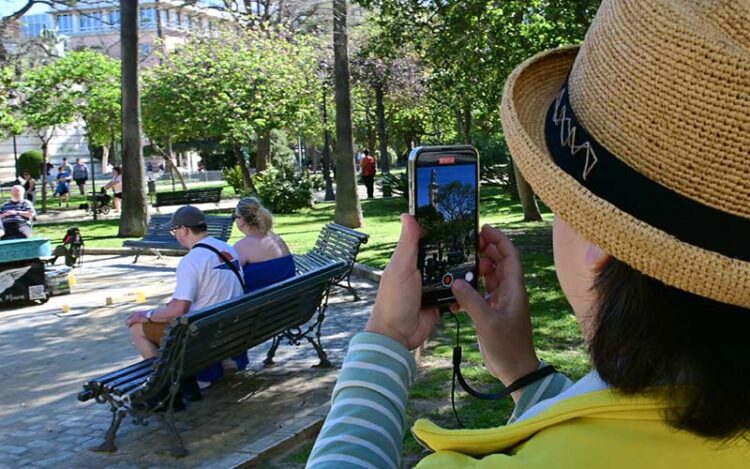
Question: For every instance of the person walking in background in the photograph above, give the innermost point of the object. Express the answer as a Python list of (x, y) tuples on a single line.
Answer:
[(116, 185), (368, 173), (80, 175), (63, 186), (150, 171), (66, 167), (50, 168), (29, 186)]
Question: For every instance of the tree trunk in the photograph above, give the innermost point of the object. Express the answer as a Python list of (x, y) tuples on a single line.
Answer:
[(385, 164), (105, 159), (134, 217), (237, 150), (372, 138), (348, 209), (512, 180), (169, 158), (264, 151), (528, 201), (467, 124)]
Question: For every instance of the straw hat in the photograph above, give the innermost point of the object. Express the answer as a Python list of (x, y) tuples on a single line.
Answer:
[(640, 139)]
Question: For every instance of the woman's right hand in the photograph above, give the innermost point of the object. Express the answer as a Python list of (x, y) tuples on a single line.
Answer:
[(501, 317)]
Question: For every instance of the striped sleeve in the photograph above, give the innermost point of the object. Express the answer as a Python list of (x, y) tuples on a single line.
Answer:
[(365, 426), (550, 386)]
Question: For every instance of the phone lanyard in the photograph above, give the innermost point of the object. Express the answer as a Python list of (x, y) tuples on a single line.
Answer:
[(513, 387)]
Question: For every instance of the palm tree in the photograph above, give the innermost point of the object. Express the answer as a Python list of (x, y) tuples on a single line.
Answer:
[(134, 217)]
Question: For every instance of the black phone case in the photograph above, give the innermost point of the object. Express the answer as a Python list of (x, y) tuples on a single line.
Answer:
[(438, 271)]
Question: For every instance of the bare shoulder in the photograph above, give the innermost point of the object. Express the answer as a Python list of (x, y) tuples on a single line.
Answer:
[(280, 243)]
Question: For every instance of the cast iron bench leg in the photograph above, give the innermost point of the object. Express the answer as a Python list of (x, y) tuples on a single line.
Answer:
[(268, 362), (349, 287), (135, 261), (322, 355), (178, 447), (108, 446)]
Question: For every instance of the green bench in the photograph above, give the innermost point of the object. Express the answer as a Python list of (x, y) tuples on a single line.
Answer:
[(190, 196), (158, 237), (335, 243), (204, 337)]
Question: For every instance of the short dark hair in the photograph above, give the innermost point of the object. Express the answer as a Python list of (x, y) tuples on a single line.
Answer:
[(198, 229), (650, 335)]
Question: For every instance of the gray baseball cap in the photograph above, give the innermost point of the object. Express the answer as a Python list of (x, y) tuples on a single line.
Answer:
[(187, 216)]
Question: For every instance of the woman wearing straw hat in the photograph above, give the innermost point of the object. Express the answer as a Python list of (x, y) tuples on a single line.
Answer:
[(639, 140)]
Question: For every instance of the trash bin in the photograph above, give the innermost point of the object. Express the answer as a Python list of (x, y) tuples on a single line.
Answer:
[(151, 187)]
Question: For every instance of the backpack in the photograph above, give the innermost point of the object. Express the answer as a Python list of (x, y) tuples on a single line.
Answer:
[(73, 243)]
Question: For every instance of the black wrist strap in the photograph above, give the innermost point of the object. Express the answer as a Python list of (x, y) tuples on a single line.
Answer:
[(515, 386)]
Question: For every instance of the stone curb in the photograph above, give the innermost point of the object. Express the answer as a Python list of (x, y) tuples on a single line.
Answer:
[(366, 272)]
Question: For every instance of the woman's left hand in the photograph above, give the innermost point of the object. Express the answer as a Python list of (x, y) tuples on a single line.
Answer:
[(397, 311)]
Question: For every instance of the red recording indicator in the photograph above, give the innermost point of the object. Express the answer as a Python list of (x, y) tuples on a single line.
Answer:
[(446, 160)]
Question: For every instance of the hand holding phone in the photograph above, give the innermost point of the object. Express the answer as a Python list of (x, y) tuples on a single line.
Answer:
[(444, 198), (397, 312)]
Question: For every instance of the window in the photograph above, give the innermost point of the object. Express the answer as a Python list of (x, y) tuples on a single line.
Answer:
[(33, 25), (164, 17), (148, 17), (92, 21), (177, 19), (65, 23), (114, 19), (188, 22)]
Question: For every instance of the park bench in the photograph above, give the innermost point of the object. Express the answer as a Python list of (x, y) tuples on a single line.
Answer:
[(190, 196), (335, 242), (201, 338), (158, 238)]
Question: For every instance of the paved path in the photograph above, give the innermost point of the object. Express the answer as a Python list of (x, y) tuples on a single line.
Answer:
[(45, 356)]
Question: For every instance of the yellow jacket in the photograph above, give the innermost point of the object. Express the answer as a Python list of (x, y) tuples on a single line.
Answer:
[(597, 429)]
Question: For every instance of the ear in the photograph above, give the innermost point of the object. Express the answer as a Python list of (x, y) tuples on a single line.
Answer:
[(596, 258)]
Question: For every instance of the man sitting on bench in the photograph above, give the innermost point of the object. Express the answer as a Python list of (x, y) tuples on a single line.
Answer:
[(16, 215), (209, 273)]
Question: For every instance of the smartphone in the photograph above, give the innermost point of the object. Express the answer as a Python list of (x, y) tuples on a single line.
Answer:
[(444, 198)]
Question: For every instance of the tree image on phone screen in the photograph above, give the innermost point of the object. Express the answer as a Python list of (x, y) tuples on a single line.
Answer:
[(446, 210)]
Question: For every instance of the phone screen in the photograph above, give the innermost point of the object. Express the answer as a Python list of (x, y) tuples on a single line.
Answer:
[(445, 203)]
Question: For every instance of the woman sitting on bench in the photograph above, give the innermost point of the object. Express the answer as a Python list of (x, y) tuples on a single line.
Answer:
[(265, 260)]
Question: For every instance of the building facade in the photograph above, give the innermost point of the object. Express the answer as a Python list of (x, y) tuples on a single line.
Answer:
[(96, 26)]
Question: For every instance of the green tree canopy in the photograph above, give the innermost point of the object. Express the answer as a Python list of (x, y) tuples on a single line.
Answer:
[(231, 87)]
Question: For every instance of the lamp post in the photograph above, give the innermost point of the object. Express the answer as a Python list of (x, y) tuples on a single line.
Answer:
[(81, 101), (326, 139)]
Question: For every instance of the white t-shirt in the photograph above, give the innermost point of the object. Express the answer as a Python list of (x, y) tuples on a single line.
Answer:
[(204, 279)]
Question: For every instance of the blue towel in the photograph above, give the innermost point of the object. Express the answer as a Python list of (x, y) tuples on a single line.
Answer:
[(257, 275)]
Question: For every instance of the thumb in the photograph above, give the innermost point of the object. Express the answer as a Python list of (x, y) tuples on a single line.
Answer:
[(470, 300), (405, 256)]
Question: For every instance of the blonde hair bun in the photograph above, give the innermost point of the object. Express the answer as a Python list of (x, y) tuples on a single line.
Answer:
[(254, 214)]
